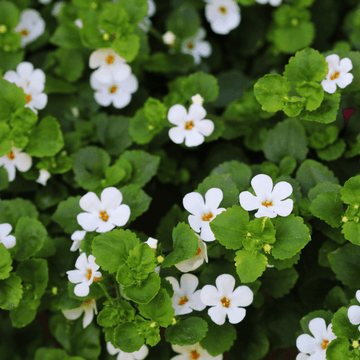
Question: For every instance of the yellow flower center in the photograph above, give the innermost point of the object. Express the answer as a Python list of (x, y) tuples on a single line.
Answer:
[(11, 155), (325, 344), (194, 354), (335, 75), (225, 302), (24, 32), (189, 125), (198, 252), (110, 59), (207, 217), (104, 216), (222, 9), (267, 203), (89, 274), (183, 300), (28, 98), (190, 46), (113, 89)]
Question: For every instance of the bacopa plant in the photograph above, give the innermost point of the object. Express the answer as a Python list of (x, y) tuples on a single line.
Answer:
[(180, 179)]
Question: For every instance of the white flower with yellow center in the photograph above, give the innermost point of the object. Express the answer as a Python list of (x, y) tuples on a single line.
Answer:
[(44, 176), (316, 346), (77, 237), (32, 82), (270, 201), (7, 240), (338, 73), (224, 300), (191, 127), (88, 307), (223, 15), (354, 311), (197, 260), (15, 160), (271, 2), (122, 355), (193, 352), (85, 274), (196, 47), (185, 298), (31, 26), (203, 212), (104, 214), (169, 38), (113, 92)]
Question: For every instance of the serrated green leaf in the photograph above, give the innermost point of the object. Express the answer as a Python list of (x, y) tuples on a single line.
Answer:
[(351, 231), (112, 315), (249, 265), (342, 326), (323, 187), (278, 283), (338, 349), (11, 99), (293, 106), (313, 93), (333, 151), (260, 232), (12, 210), (350, 193), (67, 36), (141, 260), (127, 46), (5, 263), (10, 292), (283, 264), (66, 213), (200, 83), (127, 337)]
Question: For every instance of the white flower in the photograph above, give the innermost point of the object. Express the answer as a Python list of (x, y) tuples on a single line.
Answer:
[(116, 92), (44, 176), (271, 2), (15, 159), (354, 312), (45, 1), (85, 275), (152, 243), (88, 307), (269, 201), (7, 240), (57, 8), (169, 38), (196, 47), (31, 26), (197, 99), (77, 237), (79, 23), (103, 215), (32, 82), (190, 126), (203, 212), (302, 356), (338, 73), (136, 355), (146, 22), (223, 15), (197, 260), (185, 298), (224, 300), (111, 65), (316, 346), (193, 352)]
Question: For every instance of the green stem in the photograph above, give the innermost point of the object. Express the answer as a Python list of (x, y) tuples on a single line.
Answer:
[(223, 118), (105, 292), (117, 290)]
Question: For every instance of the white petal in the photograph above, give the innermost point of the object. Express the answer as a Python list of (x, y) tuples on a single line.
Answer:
[(88, 222), (23, 162), (196, 112), (177, 115), (302, 356), (218, 314), (225, 284), (282, 190), (210, 295), (235, 314), (205, 127), (90, 202), (142, 353), (189, 283), (130, 84), (39, 101), (248, 201), (8, 241), (120, 216), (193, 138), (174, 283), (194, 203), (329, 86), (307, 344), (317, 327), (345, 80), (10, 168), (195, 222), (88, 317), (111, 198), (75, 276), (345, 65), (204, 48), (357, 295), (333, 60), (213, 198), (82, 289), (264, 211), (354, 314), (195, 301), (75, 245), (5, 230), (104, 226), (242, 296), (177, 134), (25, 69), (206, 233), (121, 100), (82, 262), (73, 314), (283, 208), (110, 348), (78, 235), (262, 185), (12, 77)]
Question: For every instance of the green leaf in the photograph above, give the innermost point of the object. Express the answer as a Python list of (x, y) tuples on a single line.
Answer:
[(67, 36), (112, 314), (200, 83), (344, 262), (26, 311), (313, 92), (5, 143), (311, 172), (11, 99), (66, 213), (127, 337), (342, 326), (24, 119), (270, 92), (127, 46), (52, 354), (186, 332), (141, 130), (5, 263), (351, 231), (278, 283), (46, 139), (219, 339), (10, 292), (184, 21), (350, 193), (307, 65), (142, 260), (57, 86), (166, 63), (8, 60), (136, 9), (328, 207), (338, 349), (159, 309), (70, 64), (229, 227), (112, 249), (30, 236), (185, 244), (304, 322), (149, 330), (293, 106), (249, 265), (144, 293), (287, 165), (333, 151), (288, 138), (259, 232), (323, 187), (291, 236), (89, 166), (9, 14)]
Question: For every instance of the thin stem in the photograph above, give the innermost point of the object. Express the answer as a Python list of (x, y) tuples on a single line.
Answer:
[(117, 290), (105, 292), (223, 118)]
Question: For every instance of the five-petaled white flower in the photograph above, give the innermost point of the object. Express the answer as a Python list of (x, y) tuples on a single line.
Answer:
[(7, 240), (191, 127), (88, 307), (103, 215), (203, 212), (185, 298), (316, 346), (31, 26), (196, 47), (193, 352), (136, 355), (223, 15), (338, 73), (197, 260), (224, 300), (354, 312), (271, 2), (169, 38), (197, 99), (77, 236), (85, 275), (15, 159), (32, 82), (269, 201), (152, 243), (44, 176)]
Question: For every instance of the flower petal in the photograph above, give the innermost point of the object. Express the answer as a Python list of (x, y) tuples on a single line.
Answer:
[(248, 201), (23, 162), (111, 349), (195, 222), (218, 314), (195, 301), (242, 296), (104, 226), (354, 314), (333, 60), (121, 215), (87, 221), (213, 198), (111, 198), (174, 283), (206, 233), (193, 138), (10, 168), (205, 127), (345, 80), (177, 134), (194, 203), (88, 317), (82, 289), (345, 65), (235, 314), (78, 235), (225, 283), (317, 327), (25, 69), (121, 99), (75, 276), (357, 295), (189, 283), (177, 115), (262, 185), (210, 295), (73, 314), (90, 202), (284, 207), (82, 262), (282, 190), (142, 353), (329, 86), (196, 112), (9, 241), (5, 230), (307, 344)]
